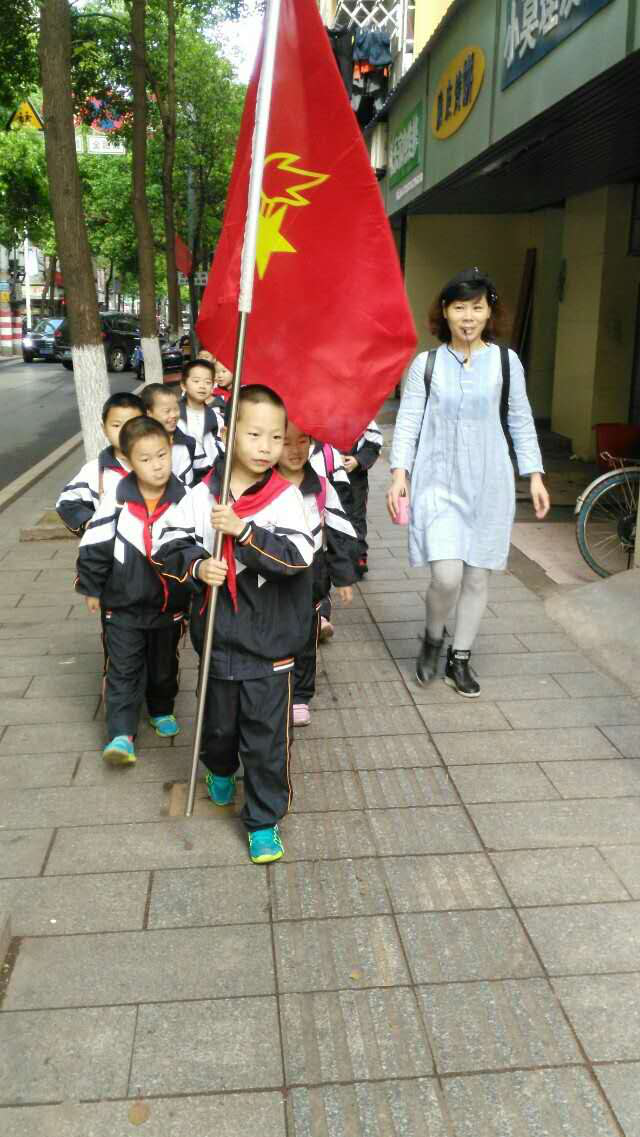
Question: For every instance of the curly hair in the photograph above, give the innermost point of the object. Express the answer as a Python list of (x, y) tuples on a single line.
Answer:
[(438, 326)]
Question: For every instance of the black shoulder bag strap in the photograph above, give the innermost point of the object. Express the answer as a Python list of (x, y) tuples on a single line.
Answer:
[(428, 374)]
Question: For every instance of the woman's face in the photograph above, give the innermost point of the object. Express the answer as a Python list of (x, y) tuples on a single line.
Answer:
[(467, 319)]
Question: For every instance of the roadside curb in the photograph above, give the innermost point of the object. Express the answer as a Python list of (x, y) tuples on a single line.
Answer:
[(20, 485)]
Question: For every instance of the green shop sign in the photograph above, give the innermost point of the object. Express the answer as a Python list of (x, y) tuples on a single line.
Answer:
[(536, 27), (405, 146)]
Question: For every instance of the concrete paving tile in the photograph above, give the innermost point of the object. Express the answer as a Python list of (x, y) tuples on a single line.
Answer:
[(532, 663), (465, 715), (347, 617), (369, 588), (69, 805), (547, 876), (53, 665), (604, 1011), (591, 683), (325, 955), (179, 843), (626, 739), (431, 829), (625, 862), (384, 789), (571, 712), (14, 618), (380, 1109), (155, 764), (556, 1103), (493, 688), (402, 751), (65, 1055), (517, 624), (20, 647), (557, 823), (142, 967), (505, 607), (22, 851), (52, 737), (62, 686), (443, 883), (357, 694), (67, 711), (322, 792), (592, 938), (61, 597), (396, 608), (320, 755), (546, 641), (617, 778), (189, 898), (450, 947), (342, 651), (621, 1084), (13, 686), (402, 629), (361, 722), (206, 1047), (356, 634), (37, 770), (494, 1026), (59, 906), (406, 647), (349, 1036), (327, 837), (227, 1115), (374, 671), (517, 782), (493, 746), (317, 890)]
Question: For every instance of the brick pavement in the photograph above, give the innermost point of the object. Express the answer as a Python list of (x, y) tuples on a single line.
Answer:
[(451, 947)]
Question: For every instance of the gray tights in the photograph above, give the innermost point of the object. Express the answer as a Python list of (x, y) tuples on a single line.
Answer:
[(457, 588)]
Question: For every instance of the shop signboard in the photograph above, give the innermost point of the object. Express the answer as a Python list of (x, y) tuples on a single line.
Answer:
[(536, 27), (405, 146), (456, 93)]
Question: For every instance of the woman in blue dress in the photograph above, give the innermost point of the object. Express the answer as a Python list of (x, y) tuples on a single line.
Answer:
[(452, 448)]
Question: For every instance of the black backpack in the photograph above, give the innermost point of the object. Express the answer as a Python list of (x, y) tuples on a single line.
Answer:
[(504, 397)]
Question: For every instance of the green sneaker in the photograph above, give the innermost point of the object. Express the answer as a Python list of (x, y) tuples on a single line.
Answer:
[(120, 752), (222, 791), (265, 845), (165, 725)]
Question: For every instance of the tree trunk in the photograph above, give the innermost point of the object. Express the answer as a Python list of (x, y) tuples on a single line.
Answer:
[(107, 287), (53, 268), (146, 254), (90, 369), (167, 108)]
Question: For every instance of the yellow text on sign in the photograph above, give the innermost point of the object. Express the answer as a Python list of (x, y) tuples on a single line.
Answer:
[(457, 91)]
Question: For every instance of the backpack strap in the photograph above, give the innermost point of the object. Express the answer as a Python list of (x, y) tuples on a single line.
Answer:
[(428, 374), (327, 451), (506, 384), (321, 497)]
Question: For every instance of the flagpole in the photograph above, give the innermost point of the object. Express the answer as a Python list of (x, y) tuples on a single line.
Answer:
[(245, 298)]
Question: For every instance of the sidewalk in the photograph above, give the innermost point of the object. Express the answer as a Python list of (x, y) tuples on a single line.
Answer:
[(451, 947)]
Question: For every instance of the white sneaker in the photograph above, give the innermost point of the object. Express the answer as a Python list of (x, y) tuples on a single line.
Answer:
[(326, 629), (301, 714)]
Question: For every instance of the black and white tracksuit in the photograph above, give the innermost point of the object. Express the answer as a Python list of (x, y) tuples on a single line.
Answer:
[(335, 557), (209, 447), (143, 613), (183, 455), (249, 694), (81, 496), (366, 451)]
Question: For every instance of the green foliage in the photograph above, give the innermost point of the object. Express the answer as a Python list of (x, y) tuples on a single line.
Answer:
[(24, 191), (18, 53)]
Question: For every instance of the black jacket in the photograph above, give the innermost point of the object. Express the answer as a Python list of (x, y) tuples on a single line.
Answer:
[(81, 496), (183, 455), (273, 558), (335, 542), (367, 448), (114, 564)]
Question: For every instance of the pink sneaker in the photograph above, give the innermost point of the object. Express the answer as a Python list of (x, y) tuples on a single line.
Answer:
[(326, 630), (301, 714)]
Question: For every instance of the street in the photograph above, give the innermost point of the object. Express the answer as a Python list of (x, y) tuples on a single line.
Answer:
[(40, 412)]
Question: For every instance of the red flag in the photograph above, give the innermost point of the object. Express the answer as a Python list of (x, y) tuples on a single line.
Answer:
[(184, 260), (330, 328)]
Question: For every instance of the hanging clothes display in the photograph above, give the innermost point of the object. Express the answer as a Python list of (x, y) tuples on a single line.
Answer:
[(371, 61), (342, 42)]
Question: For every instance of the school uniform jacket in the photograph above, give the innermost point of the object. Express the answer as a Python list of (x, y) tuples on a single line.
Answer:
[(81, 496), (335, 543), (273, 556), (115, 559), (183, 453), (327, 462), (368, 446), (208, 453)]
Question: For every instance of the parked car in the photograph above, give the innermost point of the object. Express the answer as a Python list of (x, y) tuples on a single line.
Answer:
[(39, 341), (172, 359), (120, 335)]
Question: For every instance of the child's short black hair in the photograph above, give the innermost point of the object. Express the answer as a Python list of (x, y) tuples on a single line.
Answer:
[(136, 429), (256, 393), (122, 399), (188, 368), (152, 391)]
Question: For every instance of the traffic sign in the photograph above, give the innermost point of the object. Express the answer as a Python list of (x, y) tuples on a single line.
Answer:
[(25, 115), (199, 278)]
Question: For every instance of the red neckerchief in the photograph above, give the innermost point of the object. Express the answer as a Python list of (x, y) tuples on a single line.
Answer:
[(246, 506), (141, 512), (222, 393)]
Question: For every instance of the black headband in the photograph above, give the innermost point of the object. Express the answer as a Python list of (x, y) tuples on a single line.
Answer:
[(472, 277)]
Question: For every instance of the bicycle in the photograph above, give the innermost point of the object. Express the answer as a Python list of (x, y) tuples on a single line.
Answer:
[(606, 517)]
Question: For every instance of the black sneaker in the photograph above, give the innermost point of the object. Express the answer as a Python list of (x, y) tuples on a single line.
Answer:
[(458, 674), (427, 661)]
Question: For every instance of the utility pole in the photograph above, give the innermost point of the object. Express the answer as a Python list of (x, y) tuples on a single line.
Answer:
[(27, 280)]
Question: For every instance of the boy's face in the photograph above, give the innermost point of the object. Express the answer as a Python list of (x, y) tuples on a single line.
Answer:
[(198, 386), (295, 451), (224, 377), (166, 410), (260, 432), (115, 421), (150, 460)]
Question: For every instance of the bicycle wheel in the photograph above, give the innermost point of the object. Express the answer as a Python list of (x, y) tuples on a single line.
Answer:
[(606, 523)]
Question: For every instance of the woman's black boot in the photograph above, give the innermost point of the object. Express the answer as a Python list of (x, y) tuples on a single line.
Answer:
[(427, 661), (458, 674)]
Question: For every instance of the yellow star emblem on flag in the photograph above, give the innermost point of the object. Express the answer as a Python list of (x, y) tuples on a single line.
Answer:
[(275, 203)]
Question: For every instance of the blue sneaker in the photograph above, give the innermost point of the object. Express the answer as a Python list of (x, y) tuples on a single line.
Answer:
[(119, 751), (265, 845), (222, 791), (165, 725)]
